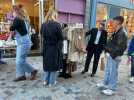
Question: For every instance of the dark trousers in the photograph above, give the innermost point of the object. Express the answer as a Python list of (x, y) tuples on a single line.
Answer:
[(64, 70), (96, 51), (132, 66), (64, 62)]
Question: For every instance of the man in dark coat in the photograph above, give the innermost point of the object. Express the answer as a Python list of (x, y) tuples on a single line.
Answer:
[(98, 39), (115, 49)]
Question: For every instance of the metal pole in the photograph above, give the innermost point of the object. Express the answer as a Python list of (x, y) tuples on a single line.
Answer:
[(41, 20), (93, 13)]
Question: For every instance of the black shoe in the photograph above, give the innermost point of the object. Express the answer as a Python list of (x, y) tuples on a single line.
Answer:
[(61, 74), (22, 78), (67, 76), (33, 75), (83, 72), (92, 75)]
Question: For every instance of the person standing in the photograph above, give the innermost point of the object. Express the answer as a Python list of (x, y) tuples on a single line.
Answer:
[(131, 54), (20, 26), (115, 49), (52, 48), (65, 51), (96, 44)]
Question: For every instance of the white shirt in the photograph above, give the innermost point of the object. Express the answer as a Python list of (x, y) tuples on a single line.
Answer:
[(65, 47), (97, 37)]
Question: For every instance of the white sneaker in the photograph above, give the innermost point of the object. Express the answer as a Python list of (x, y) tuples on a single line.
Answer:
[(51, 85), (44, 83), (101, 86), (131, 80), (108, 92)]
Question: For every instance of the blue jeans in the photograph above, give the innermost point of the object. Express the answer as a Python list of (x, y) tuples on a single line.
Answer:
[(50, 77), (111, 73), (21, 64), (132, 66), (23, 48)]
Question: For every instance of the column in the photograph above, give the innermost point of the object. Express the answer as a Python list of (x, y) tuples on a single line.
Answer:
[(41, 20), (93, 14)]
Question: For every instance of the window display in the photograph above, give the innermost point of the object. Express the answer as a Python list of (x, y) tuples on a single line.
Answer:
[(101, 14), (129, 20)]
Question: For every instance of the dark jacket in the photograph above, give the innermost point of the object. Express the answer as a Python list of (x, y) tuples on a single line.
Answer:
[(19, 25), (131, 47), (93, 34), (52, 46), (117, 44)]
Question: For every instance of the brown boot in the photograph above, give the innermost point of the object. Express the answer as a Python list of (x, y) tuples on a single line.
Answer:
[(33, 75)]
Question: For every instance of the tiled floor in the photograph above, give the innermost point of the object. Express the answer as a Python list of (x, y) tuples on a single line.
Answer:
[(80, 87)]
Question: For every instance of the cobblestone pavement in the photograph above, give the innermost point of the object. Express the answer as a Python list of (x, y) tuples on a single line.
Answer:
[(78, 88)]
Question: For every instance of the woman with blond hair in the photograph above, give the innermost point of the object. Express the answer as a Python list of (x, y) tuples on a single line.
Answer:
[(21, 27), (52, 46)]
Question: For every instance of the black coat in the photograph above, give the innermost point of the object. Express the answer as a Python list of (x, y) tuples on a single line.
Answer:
[(52, 46), (93, 34), (117, 44)]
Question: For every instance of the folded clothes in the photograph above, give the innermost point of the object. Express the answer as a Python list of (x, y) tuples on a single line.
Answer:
[(7, 43)]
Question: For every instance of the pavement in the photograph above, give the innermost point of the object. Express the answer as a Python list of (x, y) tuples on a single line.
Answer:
[(80, 87)]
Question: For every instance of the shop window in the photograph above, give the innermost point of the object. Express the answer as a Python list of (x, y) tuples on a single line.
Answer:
[(101, 14), (129, 20)]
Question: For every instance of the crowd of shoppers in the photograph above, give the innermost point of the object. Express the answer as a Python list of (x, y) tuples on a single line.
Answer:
[(55, 58)]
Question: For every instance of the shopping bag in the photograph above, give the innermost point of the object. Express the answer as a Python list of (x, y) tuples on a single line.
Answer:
[(71, 67), (102, 64)]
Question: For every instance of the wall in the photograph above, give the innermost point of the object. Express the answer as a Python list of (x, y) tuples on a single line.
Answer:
[(71, 10), (121, 3)]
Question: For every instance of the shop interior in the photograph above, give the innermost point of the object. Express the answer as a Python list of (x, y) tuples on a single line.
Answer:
[(103, 14), (33, 9)]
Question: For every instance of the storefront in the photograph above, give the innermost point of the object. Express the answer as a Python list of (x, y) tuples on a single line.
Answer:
[(70, 14), (37, 9), (32, 8), (107, 9)]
